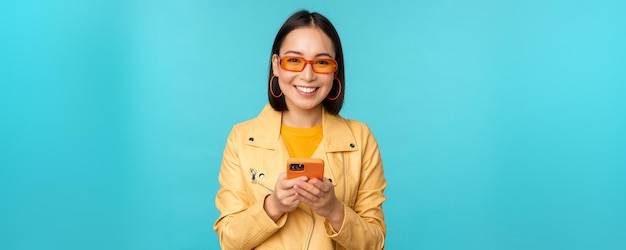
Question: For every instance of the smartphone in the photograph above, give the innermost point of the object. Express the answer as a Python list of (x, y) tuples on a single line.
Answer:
[(309, 167)]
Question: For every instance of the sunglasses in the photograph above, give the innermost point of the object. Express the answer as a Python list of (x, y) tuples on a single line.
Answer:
[(297, 64)]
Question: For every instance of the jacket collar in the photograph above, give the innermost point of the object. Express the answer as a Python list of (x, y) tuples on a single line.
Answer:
[(337, 134)]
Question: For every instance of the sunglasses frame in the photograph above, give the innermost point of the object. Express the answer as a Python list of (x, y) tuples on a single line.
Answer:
[(307, 62)]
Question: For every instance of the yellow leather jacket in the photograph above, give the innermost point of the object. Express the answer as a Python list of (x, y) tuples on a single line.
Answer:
[(254, 157)]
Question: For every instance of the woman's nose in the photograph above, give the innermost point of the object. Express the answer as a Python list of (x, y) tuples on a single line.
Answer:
[(308, 74)]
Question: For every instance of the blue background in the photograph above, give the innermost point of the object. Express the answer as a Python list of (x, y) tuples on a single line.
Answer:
[(501, 123)]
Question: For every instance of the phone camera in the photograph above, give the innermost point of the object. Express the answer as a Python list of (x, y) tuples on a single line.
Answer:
[(296, 167)]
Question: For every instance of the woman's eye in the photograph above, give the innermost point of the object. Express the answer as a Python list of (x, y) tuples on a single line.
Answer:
[(322, 62), (293, 60)]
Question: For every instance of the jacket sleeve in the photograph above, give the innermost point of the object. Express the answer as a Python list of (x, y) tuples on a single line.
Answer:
[(364, 226), (242, 224)]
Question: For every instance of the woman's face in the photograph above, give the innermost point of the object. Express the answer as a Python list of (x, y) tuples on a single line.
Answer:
[(304, 90)]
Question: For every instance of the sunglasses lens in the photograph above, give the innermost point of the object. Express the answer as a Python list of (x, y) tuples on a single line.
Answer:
[(292, 63), (324, 65), (297, 64)]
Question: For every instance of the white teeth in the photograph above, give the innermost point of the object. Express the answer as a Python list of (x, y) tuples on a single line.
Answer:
[(306, 90)]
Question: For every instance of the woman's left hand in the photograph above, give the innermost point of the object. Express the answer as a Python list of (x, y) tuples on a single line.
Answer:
[(320, 196)]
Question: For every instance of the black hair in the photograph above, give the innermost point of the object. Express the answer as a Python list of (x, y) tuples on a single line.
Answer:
[(300, 19)]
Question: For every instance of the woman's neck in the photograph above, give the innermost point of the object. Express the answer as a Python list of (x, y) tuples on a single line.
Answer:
[(302, 118)]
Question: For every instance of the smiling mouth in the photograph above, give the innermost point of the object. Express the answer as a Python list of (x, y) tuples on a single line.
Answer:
[(307, 90)]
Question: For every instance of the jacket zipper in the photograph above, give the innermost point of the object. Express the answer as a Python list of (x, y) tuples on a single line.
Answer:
[(254, 180)]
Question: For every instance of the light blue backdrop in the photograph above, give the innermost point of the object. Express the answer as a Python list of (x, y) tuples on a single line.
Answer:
[(501, 123)]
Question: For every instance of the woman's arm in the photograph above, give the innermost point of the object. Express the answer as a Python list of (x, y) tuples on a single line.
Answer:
[(364, 226), (242, 224)]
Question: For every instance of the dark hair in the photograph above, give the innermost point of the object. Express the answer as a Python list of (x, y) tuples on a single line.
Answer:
[(300, 19)]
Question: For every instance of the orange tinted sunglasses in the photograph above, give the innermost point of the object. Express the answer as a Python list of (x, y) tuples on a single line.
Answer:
[(297, 64)]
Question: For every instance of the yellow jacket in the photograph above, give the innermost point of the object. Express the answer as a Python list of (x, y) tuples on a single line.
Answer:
[(255, 155)]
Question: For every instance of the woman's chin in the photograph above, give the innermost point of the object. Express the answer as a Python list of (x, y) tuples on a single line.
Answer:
[(305, 105)]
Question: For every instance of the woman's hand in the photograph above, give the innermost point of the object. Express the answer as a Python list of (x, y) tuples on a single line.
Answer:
[(320, 196), (284, 198)]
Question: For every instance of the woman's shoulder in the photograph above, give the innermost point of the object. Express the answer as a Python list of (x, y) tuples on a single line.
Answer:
[(359, 127), (356, 126), (267, 118)]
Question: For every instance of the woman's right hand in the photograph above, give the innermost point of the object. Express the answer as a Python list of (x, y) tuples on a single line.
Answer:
[(284, 198)]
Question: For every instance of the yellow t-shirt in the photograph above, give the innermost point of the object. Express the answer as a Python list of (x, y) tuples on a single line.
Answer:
[(301, 142)]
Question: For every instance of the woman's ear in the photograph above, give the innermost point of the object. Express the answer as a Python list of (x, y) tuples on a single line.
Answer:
[(275, 64)]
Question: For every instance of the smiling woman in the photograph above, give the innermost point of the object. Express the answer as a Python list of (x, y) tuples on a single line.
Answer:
[(259, 206), (304, 88), (305, 36)]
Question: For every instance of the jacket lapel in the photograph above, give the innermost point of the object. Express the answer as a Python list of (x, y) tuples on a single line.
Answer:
[(266, 132), (337, 134)]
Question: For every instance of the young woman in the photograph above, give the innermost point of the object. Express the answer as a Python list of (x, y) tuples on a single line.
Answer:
[(259, 206)]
